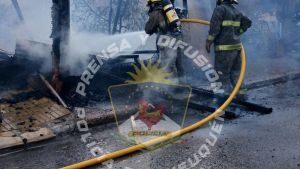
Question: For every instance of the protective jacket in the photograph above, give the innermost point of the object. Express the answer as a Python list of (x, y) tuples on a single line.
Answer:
[(226, 26)]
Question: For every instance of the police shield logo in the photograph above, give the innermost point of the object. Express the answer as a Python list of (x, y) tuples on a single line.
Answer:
[(149, 106)]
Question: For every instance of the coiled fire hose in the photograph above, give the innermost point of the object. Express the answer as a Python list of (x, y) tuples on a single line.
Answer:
[(126, 151)]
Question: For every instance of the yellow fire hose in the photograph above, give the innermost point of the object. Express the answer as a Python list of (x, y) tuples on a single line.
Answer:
[(126, 151)]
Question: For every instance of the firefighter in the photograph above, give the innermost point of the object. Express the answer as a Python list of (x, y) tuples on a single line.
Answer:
[(227, 25), (163, 20)]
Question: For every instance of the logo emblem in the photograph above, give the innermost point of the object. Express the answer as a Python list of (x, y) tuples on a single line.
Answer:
[(149, 105), (149, 114)]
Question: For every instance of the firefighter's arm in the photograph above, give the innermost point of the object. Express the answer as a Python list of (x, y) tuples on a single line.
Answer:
[(216, 23), (152, 24), (215, 26), (246, 23)]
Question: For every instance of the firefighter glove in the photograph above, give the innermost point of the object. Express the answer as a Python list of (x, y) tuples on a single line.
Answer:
[(208, 45)]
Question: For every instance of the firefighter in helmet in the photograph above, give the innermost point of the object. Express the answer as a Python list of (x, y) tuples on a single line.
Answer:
[(226, 26), (163, 20)]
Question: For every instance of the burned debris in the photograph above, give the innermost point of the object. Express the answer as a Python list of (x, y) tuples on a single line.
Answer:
[(42, 96), (60, 35), (1, 116)]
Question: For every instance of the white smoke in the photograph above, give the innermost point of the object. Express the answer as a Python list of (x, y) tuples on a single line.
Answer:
[(84, 43), (5, 2), (37, 27)]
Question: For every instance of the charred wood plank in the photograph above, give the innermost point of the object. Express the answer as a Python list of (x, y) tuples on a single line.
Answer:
[(145, 52), (248, 105), (53, 91), (201, 107), (197, 106), (273, 81)]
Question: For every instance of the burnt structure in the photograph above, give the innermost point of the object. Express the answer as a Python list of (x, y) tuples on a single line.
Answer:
[(60, 35)]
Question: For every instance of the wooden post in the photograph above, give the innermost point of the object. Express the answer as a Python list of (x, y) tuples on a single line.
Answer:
[(185, 4), (60, 35), (117, 17)]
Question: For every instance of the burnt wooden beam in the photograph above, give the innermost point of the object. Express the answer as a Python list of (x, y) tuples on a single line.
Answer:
[(60, 30), (185, 8), (60, 36), (1, 116), (272, 81), (250, 106)]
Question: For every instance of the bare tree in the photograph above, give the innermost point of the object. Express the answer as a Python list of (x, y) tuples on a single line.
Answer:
[(117, 17), (109, 16)]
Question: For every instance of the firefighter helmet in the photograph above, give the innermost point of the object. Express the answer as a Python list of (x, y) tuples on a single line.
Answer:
[(219, 2), (149, 2), (235, 1)]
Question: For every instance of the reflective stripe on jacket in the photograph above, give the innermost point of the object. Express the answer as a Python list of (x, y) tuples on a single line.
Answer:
[(227, 24)]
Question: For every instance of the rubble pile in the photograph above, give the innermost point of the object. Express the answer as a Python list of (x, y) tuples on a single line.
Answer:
[(26, 118)]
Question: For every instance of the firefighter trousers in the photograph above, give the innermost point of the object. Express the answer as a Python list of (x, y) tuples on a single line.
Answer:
[(228, 65)]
